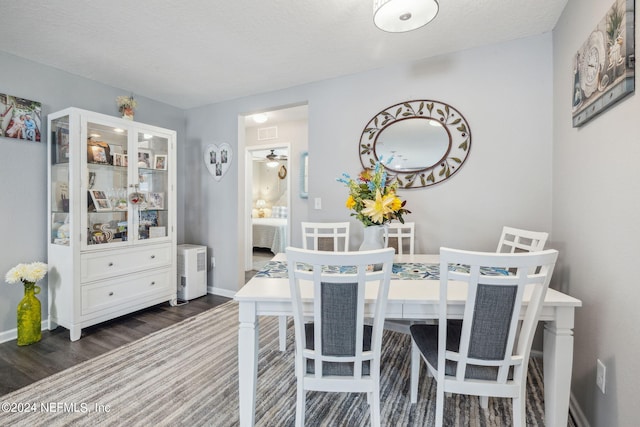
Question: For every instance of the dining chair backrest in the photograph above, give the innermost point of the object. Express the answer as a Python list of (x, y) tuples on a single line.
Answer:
[(339, 351), (486, 354), (325, 236), (514, 240), (402, 237)]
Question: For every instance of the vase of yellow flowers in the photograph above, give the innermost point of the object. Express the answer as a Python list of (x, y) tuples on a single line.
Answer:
[(126, 105), (29, 308), (375, 203)]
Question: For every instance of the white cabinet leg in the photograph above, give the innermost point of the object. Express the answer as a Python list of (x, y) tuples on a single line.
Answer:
[(74, 333)]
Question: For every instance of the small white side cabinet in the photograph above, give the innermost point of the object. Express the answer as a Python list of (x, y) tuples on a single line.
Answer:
[(112, 218)]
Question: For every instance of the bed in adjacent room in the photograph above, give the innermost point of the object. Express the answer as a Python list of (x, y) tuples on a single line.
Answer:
[(270, 233)]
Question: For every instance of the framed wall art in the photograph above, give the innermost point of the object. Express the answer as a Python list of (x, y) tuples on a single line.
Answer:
[(218, 159), (604, 66), (20, 118)]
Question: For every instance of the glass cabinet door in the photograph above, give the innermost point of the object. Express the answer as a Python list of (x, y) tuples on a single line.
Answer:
[(153, 184), (59, 181), (107, 184)]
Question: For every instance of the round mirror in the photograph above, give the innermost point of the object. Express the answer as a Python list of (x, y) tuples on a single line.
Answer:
[(420, 142)]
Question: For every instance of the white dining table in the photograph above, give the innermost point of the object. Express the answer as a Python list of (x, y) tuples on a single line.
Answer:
[(408, 300)]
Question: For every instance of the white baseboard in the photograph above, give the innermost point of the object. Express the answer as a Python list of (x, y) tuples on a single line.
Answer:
[(12, 334), (219, 291), (574, 408)]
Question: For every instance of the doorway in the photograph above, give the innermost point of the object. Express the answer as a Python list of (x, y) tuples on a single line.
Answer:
[(279, 142), (268, 185)]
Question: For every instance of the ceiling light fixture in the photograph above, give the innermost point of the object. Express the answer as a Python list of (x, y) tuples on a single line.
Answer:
[(399, 16), (260, 117)]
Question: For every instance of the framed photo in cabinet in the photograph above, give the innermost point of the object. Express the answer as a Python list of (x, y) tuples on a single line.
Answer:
[(100, 200), (160, 162), (144, 159), (118, 159), (62, 145), (98, 152), (155, 200)]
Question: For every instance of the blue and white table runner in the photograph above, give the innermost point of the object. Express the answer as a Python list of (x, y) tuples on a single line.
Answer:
[(400, 271)]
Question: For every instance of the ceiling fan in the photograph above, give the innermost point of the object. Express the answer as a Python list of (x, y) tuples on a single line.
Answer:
[(275, 157)]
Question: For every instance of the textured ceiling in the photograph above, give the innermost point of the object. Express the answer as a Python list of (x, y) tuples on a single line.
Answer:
[(192, 53)]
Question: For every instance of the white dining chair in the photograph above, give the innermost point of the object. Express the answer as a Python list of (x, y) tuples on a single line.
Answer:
[(326, 236), (331, 236), (518, 240), (487, 353), (338, 351), (403, 235)]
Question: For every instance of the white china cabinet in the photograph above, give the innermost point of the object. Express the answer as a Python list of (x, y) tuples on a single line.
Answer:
[(112, 218)]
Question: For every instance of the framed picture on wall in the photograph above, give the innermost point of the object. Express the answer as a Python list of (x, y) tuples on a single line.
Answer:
[(21, 118), (604, 66)]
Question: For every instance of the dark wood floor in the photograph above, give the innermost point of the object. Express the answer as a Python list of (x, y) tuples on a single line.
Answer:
[(21, 366)]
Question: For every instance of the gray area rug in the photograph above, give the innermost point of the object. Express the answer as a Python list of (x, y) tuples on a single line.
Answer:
[(186, 375)]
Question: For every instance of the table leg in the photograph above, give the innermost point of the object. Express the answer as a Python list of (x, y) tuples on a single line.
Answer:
[(558, 361), (282, 332), (248, 335)]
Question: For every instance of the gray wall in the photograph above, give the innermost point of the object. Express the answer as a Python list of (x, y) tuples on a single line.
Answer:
[(515, 97), (595, 225), (23, 165), (505, 93)]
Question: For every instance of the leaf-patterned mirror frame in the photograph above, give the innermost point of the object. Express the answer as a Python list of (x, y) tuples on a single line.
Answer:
[(455, 124)]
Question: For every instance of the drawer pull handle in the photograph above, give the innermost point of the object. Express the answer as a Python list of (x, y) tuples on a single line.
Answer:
[(110, 264), (153, 256), (110, 294)]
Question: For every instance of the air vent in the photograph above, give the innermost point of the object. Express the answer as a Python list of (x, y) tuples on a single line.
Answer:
[(267, 133)]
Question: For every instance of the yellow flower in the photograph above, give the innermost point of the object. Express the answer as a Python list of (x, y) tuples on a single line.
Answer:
[(351, 203), (396, 204), (376, 209)]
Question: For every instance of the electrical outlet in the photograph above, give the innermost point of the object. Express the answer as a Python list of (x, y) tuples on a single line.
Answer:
[(213, 262), (601, 375)]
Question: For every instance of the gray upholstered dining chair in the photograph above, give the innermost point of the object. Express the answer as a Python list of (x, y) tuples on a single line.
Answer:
[(518, 240), (487, 354), (337, 351), (325, 236), (403, 236), (319, 236)]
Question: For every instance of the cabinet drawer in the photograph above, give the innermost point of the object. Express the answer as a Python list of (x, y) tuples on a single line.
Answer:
[(103, 265), (117, 292)]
